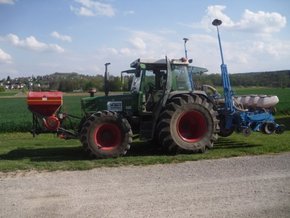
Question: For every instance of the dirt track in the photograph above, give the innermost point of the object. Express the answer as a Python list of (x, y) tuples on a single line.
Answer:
[(237, 187)]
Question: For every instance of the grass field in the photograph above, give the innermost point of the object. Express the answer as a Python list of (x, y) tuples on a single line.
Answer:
[(15, 117), (19, 151), (8, 93)]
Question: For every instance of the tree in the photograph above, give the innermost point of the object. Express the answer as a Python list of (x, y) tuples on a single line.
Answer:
[(115, 83)]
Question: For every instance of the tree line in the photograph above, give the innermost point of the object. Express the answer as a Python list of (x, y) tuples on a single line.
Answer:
[(77, 82), (278, 79), (69, 82)]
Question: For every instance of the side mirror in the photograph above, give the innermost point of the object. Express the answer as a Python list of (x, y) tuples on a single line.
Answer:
[(137, 73), (138, 70)]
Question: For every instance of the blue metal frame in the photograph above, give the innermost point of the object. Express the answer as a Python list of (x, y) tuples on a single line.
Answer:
[(235, 118)]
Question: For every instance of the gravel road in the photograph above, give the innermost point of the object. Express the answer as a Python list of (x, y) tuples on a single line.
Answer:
[(257, 186)]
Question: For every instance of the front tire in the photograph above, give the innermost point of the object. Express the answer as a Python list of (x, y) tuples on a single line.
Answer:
[(106, 134)]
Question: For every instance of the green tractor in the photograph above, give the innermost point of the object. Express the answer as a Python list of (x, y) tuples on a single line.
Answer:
[(162, 105)]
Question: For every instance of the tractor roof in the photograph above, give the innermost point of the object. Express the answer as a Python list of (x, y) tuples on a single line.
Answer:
[(156, 62), (150, 61), (161, 64)]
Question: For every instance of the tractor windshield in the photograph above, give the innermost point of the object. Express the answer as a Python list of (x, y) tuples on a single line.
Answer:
[(180, 77)]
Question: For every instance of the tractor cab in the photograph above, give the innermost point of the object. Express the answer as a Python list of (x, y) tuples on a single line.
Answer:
[(154, 78)]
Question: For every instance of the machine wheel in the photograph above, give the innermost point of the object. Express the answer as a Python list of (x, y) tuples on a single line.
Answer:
[(188, 123), (106, 134), (280, 129), (268, 128)]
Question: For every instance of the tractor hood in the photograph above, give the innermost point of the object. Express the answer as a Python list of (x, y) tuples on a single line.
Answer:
[(119, 103)]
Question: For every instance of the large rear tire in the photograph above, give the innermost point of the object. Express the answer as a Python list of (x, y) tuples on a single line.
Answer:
[(106, 134), (188, 122)]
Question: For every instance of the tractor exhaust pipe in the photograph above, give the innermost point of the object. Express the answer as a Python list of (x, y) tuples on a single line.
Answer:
[(106, 80)]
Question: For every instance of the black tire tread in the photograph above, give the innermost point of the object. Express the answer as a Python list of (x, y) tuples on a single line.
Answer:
[(163, 125), (126, 128)]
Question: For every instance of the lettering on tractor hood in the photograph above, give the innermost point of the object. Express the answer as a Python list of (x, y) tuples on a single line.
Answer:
[(114, 105)]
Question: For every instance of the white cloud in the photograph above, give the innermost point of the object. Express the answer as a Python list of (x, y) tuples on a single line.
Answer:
[(32, 43), (260, 22), (10, 2), (141, 44), (246, 55), (217, 11), (138, 43), (92, 8), (57, 35), (273, 48), (82, 11), (258, 51), (141, 41), (125, 51), (4, 57), (109, 51)]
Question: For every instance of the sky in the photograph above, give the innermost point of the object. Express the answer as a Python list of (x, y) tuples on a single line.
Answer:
[(47, 36)]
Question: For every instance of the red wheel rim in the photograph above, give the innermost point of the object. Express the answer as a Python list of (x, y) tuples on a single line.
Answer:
[(191, 126), (51, 123), (107, 136)]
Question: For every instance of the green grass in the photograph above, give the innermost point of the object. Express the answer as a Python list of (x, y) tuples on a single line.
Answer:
[(15, 117), (19, 151), (8, 93)]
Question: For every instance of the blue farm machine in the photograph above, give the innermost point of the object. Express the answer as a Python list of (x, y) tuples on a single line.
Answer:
[(162, 105), (244, 113)]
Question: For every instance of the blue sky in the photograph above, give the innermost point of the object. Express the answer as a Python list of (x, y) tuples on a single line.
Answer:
[(47, 36)]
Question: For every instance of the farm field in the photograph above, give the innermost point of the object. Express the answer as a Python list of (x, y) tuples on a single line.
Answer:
[(8, 93), (15, 116)]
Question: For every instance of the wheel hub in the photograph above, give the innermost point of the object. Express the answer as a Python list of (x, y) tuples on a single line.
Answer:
[(108, 136), (192, 126)]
